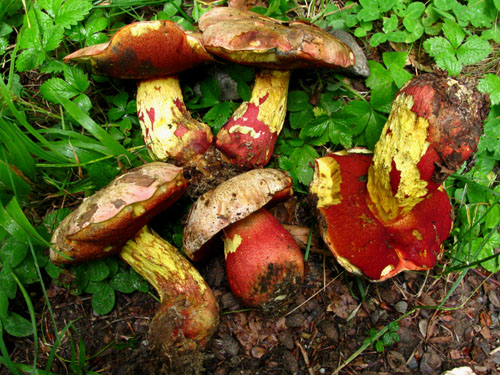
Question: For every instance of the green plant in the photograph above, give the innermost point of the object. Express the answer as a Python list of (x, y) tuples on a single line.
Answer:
[(388, 337)]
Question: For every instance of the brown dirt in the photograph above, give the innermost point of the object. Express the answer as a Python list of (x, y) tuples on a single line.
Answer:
[(319, 330)]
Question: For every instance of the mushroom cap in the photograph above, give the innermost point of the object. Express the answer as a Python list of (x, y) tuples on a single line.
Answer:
[(246, 37), (144, 49), (106, 220), (232, 200), (360, 241)]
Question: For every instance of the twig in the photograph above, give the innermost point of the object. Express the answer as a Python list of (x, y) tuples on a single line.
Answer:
[(306, 358)]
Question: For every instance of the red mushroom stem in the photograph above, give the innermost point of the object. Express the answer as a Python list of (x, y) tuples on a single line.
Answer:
[(264, 264), (248, 138)]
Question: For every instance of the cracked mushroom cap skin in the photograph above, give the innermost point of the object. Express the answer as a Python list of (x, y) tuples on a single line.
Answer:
[(232, 200), (144, 50), (106, 220), (264, 264), (245, 37), (361, 242)]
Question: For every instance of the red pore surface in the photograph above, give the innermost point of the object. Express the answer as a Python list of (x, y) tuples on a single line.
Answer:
[(144, 50), (381, 250), (455, 111), (253, 146), (263, 262)]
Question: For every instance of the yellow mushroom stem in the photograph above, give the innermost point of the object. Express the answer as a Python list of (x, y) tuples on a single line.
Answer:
[(168, 129), (188, 314)]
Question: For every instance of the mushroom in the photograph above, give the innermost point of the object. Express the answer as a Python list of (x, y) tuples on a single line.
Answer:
[(153, 52), (385, 213), (246, 37), (263, 262), (113, 220)]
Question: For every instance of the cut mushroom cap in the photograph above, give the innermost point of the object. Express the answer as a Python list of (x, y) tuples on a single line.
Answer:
[(229, 202), (264, 264), (384, 214), (188, 315), (105, 221), (154, 52), (434, 126), (244, 37), (360, 241), (144, 49)]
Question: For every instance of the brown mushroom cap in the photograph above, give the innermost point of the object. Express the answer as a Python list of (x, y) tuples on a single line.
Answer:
[(248, 38), (105, 221), (144, 49), (231, 201)]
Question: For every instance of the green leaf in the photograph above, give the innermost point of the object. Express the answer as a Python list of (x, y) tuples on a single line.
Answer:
[(387, 5), (138, 282), (490, 84), (382, 87), (4, 306), (473, 50), (398, 36), (302, 160), (244, 90), (449, 63), (77, 78), (121, 283), (298, 100), (98, 270), (13, 251), (444, 4), (72, 11), (390, 24), (218, 115), (103, 300), (369, 14), (29, 59), (489, 249), (56, 88), (437, 46), (453, 32), (17, 326), (377, 39), (8, 285), (316, 128), (27, 271), (339, 133), (301, 118), (497, 4), (415, 10), (52, 37)]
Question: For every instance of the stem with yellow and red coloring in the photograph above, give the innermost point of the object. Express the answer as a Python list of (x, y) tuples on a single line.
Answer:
[(248, 138), (168, 129)]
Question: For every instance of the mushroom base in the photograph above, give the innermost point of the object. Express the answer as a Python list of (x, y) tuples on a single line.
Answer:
[(361, 241)]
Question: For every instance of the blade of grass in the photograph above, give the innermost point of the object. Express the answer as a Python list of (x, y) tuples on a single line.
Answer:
[(5, 359), (57, 342), (93, 128), (31, 311)]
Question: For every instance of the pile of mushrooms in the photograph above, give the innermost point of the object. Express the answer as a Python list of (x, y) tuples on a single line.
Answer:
[(379, 214)]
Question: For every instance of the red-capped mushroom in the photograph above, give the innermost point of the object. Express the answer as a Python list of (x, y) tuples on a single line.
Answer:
[(153, 52), (264, 265), (387, 213), (112, 220), (246, 37)]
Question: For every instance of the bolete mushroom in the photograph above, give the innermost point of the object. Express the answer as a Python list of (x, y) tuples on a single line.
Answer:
[(385, 213), (263, 262), (245, 37), (113, 220), (154, 52)]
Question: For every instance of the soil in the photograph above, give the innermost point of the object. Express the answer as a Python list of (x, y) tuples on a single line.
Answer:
[(315, 333)]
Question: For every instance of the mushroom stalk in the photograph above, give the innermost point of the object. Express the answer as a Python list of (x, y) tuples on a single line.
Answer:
[(188, 313), (248, 138), (168, 129), (264, 264)]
